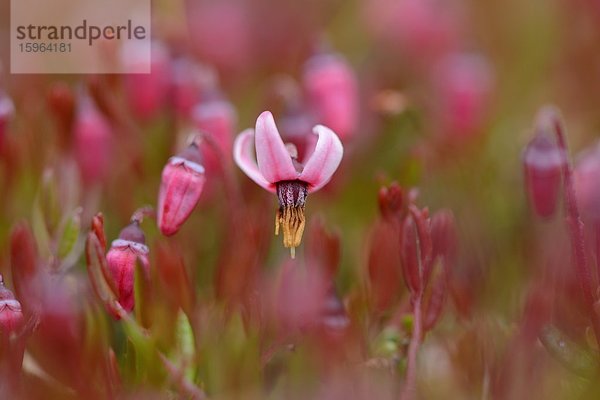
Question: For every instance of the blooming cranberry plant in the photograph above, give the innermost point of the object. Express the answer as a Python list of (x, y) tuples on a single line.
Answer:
[(450, 248)]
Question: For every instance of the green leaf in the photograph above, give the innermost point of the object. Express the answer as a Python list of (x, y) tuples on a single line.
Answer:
[(568, 353), (70, 233), (40, 229), (184, 336)]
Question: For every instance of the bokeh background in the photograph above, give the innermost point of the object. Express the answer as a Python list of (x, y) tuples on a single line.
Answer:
[(446, 95)]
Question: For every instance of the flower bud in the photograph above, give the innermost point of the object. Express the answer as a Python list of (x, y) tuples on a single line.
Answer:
[(122, 258), (146, 93), (7, 110), (543, 161), (463, 84), (181, 185), (11, 316), (92, 141), (391, 201), (332, 90), (217, 118)]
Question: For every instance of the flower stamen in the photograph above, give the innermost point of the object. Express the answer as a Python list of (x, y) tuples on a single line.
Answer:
[(292, 200)]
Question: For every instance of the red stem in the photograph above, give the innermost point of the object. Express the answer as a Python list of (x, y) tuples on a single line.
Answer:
[(575, 226), (409, 391)]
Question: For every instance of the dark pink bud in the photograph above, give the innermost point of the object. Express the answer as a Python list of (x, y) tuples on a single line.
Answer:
[(11, 316), (147, 93), (391, 201), (332, 89), (7, 110), (180, 189), (463, 89), (543, 161), (92, 135), (122, 258), (217, 118)]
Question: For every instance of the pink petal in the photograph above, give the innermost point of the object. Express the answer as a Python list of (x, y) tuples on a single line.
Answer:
[(324, 161), (274, 161), (242, 154)]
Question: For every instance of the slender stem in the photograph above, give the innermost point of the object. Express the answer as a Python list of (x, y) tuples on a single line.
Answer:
[(177, 376), (142, 212), (409, 390), (575, 226)]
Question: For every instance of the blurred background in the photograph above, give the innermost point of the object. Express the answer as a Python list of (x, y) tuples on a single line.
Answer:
[(439, 95)]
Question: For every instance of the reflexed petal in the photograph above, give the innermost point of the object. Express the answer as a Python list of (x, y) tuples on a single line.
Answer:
[(274, 161), (325, 159), (242, 154)]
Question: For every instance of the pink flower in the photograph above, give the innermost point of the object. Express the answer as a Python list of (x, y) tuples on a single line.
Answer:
[(218, 118), (92, 135), (464, 85), (542, 162), (7, 110), (182, 183), (278, 170), (146, 93), (332, 90), (121, 259)]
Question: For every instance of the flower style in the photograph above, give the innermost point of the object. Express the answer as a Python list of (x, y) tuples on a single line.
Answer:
[(278, 170)]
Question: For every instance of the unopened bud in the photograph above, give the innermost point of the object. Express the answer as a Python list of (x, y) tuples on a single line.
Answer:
[(332, 90), (92, 135), (122, 258), (146, 93), (180, 189), (11, 316), (391, 201), (7, 110), (543, 161), (216, 118)]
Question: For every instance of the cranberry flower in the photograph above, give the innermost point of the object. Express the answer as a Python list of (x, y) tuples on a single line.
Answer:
[(278, 169)]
